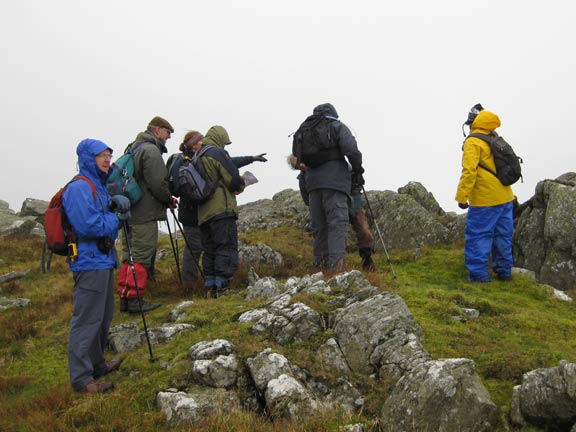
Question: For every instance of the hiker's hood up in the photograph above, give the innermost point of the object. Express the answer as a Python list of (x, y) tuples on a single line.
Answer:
[(485, 122), (87, 150), (217, 136), (326, 109)]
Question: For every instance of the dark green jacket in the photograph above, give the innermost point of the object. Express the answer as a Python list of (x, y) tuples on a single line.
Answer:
[(220, 167), (150, 173)]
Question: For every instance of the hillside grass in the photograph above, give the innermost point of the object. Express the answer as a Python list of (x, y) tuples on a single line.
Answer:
[(521, 328)]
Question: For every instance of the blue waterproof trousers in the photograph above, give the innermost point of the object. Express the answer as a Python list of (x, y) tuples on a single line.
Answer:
[(489, 231)]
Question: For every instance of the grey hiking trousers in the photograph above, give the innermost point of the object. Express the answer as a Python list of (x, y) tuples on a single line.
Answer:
[(93, 310), (329, 219), (193, 236)]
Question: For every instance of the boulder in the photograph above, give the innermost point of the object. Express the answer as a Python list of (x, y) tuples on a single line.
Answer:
[(546, 398), (423, 197), (266, 287), (379, 335), (545, 238), (195, 405), (259, 254), (34, 207), (285, 321), (440, 395)]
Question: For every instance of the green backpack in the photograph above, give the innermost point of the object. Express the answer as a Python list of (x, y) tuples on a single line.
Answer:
[(121, 180)]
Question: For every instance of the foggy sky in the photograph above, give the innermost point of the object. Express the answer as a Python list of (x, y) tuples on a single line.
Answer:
[(402, 76)]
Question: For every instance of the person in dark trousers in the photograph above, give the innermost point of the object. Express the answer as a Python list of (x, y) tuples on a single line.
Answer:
[(188, 213), (217, 216), (356, 215), (328, 182), (150, 173), (490, 219), (96, 227)]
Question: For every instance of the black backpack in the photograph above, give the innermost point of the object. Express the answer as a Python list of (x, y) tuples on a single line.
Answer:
[(508, 169), (189, 180), (313, 143), (173, 166)]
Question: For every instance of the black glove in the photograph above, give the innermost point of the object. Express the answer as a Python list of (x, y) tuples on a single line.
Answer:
[(357, 181), (260, 158), (119, 203), (463, 206)]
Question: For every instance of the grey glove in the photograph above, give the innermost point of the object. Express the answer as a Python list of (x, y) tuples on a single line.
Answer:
[(119, 204), (260, 158), (124, 215)]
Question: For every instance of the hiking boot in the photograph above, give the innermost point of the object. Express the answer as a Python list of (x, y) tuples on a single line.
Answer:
[(504, 278), (111, 366), (134, 307), (368, 264), (97, 387), (123, 304)]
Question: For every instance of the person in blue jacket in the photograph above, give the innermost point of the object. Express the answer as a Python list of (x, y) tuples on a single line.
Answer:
[(90, 212)]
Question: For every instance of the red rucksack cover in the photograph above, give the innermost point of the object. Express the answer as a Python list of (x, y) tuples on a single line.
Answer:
[(59, 232), (126, 284)]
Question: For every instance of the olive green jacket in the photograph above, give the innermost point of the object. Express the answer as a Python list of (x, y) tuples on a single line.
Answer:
[(219, 166), (150, 173)]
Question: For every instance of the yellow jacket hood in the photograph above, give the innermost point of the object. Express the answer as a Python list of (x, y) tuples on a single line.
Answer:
[(485, 122)]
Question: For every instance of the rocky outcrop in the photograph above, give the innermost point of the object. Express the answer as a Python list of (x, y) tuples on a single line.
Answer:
[(440, 395), (35, 208), (545, 234), (546, 398), (259, 253), (407, 219), (380, 336)]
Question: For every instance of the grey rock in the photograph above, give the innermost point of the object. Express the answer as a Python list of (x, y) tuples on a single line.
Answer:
[(4, 206), (34, 207), (286, 397), (259, 254), (525, 272), (331, 356), (544, 237), (162, 254), (353, 284), (380, 335), (196, 405), (267, 366), (288, 322), (164, 333), (125, 337), (422, 197), (266, 287), (13, 275), (471, 313), (210, 349), (178, 313), (307, 284), (11, 225), (561, 295), (220, 372), (10, 303), (547, 398), (404, 223), (440, 395)]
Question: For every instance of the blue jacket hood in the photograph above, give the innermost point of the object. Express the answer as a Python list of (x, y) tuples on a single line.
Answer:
[(87, 150)]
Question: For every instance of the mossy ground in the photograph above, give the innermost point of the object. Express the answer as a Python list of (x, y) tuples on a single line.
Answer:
[(521, 328)]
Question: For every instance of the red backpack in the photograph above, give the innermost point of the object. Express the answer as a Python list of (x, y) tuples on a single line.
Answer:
[(59, 233)]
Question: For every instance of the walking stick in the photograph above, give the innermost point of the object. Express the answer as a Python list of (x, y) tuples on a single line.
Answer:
[(188, 245), (131, 263), (378, 231), (174, 250)]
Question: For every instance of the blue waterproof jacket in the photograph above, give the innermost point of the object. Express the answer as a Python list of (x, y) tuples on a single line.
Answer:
[(89, 216)]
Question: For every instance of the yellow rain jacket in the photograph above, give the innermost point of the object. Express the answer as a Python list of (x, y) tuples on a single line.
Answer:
[(477, 186)]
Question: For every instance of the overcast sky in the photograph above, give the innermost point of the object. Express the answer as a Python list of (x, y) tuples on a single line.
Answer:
[(402, 75)]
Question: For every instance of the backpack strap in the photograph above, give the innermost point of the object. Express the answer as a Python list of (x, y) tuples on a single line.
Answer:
[(92, 186), (488, 139)]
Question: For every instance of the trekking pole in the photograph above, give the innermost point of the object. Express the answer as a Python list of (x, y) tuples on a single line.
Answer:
[(378, 231), (188, 245), (131, 262), (176, 241), (174, 251)]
